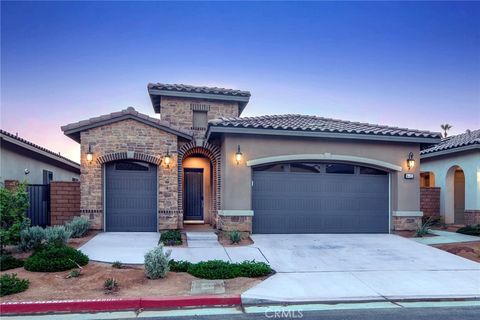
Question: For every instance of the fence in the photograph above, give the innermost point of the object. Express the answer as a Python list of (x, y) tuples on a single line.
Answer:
[(39, 210)]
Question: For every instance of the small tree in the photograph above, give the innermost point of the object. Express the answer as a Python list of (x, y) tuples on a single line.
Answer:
[(445, 127), (13, 205)]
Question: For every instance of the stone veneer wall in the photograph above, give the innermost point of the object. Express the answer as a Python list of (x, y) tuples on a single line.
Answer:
[(120, 140), (472, 217), (406, 223), (178, 111), (64, 201), (234, 223), (430, 201)]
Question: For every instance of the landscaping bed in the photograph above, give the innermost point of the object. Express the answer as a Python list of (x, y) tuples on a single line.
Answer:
[(468, 250), (131, 282)]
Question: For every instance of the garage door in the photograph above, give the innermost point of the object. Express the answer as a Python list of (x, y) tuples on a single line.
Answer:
[(131, 196), (320, 198)]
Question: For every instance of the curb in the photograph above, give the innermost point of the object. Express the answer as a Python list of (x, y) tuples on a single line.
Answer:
[(117, 304)]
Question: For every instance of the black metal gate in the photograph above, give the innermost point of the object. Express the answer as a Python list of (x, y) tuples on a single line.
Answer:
[(39, 210)]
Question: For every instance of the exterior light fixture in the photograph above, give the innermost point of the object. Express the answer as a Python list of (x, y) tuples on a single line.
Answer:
[(238, 155), (89, 154), (410, 161), (167, 159)]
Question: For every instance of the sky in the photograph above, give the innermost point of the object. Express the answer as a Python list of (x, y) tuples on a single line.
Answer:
[(405, 64)]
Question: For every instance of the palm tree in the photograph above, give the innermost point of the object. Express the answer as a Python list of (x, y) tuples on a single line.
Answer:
[(445, 127)]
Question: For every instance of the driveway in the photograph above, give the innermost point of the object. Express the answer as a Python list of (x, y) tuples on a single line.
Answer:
[(341, 267)]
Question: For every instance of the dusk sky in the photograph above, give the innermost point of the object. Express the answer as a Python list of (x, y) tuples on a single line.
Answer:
[(413, 65)]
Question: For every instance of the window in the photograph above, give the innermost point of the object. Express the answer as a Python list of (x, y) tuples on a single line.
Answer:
[(75, 179), (305, 167), (340, 168), (47, 176), (200, 120), (372, 171), (131, 166)]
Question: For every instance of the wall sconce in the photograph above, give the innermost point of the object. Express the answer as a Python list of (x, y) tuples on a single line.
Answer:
[(167, 159), (238, 155), (89, 154), (410, 161)]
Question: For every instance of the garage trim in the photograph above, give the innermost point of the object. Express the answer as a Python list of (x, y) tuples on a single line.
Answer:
[(324, 156)]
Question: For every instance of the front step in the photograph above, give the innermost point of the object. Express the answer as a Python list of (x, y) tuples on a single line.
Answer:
[(202, 239)]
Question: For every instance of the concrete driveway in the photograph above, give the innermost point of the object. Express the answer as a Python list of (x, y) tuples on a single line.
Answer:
[(341, 267)]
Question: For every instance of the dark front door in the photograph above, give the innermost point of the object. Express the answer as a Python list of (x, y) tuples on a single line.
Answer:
[(193, 194), (131, 196)]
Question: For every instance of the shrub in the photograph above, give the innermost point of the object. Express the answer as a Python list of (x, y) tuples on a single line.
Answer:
[(110, 285), (171, 238), (31, 238), (10, 284), (252, 269), (74, 273), (13, 204), (179, 266), (78, 226), (53, 258), (7, 262), (424, 228), (472, 230), (235, 237), (156, 262), (117, 265), (57, 235)]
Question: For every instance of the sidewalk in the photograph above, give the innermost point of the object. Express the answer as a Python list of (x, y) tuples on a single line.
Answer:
[(443, 237)]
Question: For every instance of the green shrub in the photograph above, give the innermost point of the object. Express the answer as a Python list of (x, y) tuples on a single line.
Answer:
[(74, 273), (171, 238), (10, 284), (78, 226), (7, 262), (424, 228), (110, 285), (235, 237), (57, 235), (117, 265), (219, 269), (53, 258), (156, 262), (31, 238), (13, 205), (178, 266), (472, 230)]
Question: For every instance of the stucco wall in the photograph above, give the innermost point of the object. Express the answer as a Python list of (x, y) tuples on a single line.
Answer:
[(236, 183), (13, 165), (469, 162), (123, 136)]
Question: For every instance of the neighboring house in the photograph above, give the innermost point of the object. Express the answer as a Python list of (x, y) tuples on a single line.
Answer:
[(202, 163), (454, 166), (22, 160)]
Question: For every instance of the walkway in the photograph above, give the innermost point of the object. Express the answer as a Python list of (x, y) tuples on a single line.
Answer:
[(443, 237)]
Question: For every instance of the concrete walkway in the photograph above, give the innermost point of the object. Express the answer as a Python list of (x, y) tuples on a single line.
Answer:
[(443, 237)]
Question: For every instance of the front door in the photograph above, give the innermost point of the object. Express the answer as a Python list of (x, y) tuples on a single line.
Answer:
[(193, 194)]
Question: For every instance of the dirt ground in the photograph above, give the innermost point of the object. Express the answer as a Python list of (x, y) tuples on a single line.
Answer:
[(131, 281), (468, 250)]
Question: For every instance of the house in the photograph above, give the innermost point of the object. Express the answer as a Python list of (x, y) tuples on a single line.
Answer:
[(200, 162), (22, 160), (453, 165)]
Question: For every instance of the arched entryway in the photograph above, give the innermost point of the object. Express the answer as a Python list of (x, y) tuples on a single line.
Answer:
[(455, 194), (199, 196)]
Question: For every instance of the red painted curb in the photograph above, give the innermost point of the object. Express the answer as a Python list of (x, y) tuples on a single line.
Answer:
[(117, 304)]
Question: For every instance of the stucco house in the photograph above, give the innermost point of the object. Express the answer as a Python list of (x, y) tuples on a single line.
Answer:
[(200, 162), (453, 165), (22, 160)]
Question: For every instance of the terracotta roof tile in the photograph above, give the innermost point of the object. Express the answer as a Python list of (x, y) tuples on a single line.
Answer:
[(190, 88), (460, 140)]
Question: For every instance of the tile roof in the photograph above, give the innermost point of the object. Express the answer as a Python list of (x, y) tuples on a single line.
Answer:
[(198, 89), (469, 138), (36, 146), (130, 112), (296, 122)]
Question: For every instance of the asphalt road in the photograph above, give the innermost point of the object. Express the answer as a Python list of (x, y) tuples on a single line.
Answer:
[(457, 313)]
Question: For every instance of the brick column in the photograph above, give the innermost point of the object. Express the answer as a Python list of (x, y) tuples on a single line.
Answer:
[(11, 184), (472, 217), (430, 201), (64, 201)]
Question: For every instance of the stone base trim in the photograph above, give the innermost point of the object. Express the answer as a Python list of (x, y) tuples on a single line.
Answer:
[(170, 219), (235, 223), (402, 223), (240, 213), (407, 213), (472, 217)]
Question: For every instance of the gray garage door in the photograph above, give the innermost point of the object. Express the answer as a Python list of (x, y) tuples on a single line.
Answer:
[(131, 196), (320, 198)]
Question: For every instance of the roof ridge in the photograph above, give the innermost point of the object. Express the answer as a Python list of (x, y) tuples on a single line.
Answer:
[(204, 89), (15, 136)]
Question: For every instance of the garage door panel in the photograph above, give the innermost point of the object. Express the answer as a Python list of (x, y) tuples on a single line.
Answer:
[(288, 202), (131, 197)]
